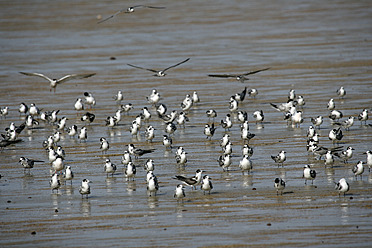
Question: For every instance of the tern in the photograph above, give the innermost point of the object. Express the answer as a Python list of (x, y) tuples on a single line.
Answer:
[(160, 73), (240, 77)]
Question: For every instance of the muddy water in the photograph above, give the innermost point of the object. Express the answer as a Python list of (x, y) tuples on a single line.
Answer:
[(311, 46)]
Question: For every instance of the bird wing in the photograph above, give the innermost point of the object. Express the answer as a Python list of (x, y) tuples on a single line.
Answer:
[(222, 75), (253, 72), (138, 67), (113, 15), (74, 76), (176, 64), (152, 7), (36, 74)]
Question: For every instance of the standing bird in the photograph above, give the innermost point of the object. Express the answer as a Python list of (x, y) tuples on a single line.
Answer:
[(126, 158), (149, 165), (152, 186), (225, 161), (181, 158), (88, 117), (280, 158), (247, 150), (179, 193), (342, 186), (55, 82), (130, 171), (206, 184), (149, 133), (335, 135), (209, 130), (79, 105), (347, 154), (160, 73), (84, 188), (23, 108), (211, 113), (239, 77), (89, 99), (58, 164), (358, 170), (83, 135), (72, 131), (68, 174), (279, 184), (33, 110), (119, 97), (28, 163), (137, 152), (227, 123), (104, 145), (329, 158), (109, 167), (55, 184), (341, 92), (363, 116), (309, 174), (167, 142), (191, 181), (154, 97), (331, 104), (245, 164), (258, 116), (317, 121), (369, 159)]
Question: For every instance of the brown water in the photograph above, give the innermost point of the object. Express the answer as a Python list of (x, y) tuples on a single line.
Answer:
[(313, 47)]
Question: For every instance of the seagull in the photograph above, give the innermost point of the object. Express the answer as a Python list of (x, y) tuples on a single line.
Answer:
[(309, 174), (167, 142), (179, 193), (225, 161), (342, 186), (245, 164), (129, 10), (206, 184), (240, 77), (317, 121), (160, 73), (152, 185), (28, 163), (68, 174), (347, 154), (149, 165), (191, 181), (358, 169), (279, 184), (55, 82), (331, 104), (335, 135), (84, 188), (280, 158), (149, 133)]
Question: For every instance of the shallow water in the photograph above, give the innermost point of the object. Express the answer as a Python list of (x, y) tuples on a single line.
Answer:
[(310, 46)]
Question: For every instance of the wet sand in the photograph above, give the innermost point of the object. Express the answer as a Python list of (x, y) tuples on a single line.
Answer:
[(311, 47)]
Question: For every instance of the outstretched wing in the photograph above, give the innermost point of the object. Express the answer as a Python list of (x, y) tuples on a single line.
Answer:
[(138, 67), (222, 75), (74, 76), (253, 72), (176, 64), (112, 16), (37, 75)]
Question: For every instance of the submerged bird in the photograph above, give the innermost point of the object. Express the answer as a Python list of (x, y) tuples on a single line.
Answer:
[(55, 82), (129, 10), (342, 186), (240, 77), (160, 73), (279, 184), (84, 188), (309, 174)]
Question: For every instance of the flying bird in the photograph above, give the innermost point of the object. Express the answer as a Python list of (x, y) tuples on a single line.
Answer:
[(239, 77), (160, 73), (129, 10), (55, 82)]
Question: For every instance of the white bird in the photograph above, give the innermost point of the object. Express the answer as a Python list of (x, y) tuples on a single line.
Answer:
[(60, 152), (252, 92), (279, 184), (329, 159), (224, 140), (167, 142), (341, 92), (187, 103), (72, 131), (258, 116), (109, 167), (297, 119), (62, 123), (335, 115), (126, 107), (309, 174), (363, 116), (195, 97), (182, 119), (79, 104), (152, 186), (245, 164), (346, 123), (83, 135), (149, 165), (331, 104), (130, 171), (191, 181), (335, 135), (181, 159), (160, 73), (291, 94), (300, 101), (55, 82), (4, 111), (33, 110), (233, 107), (347, 154), (68, 174), (149, 133), (358, 170), (227, 149), (211, 113), (58, 164), (206, 184), (247, 150), (369, 159), (104, 145), (28, 163), (179, 193), (23, 108), (126, 158), (209, 130), (154, 97), (342, 186), (170, 128), (280, 158), (227, 123), (317, 121), (55, 184), (225, 161), (119, 97), (84, 188)]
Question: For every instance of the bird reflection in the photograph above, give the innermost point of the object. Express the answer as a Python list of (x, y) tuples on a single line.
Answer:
[(109, 182), (153, 202), (131, 187), (247, 181), (85, 207)]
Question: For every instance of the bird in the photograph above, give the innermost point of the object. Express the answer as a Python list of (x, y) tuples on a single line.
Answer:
[(191, 181), (79, 105), (247, 150), (300, 101), (240, 96), (126, 158), (283, 107), (60, 152), (297, 119), (179, 193), (206, 184), (88, 117), (54, 183), (310, 132), (33, 110), (119, 97), (341, 92), (187, 103), (167, 142), (363, 116), (369, 159), (23, 108), (72, 131), (211, 113), (258, 116), (181, 158), (329, 159), (227, 123), (224, 161), (246, 135), (160, 73), (291, 94), (109, 167), (149, 133), (317, 121), (126, 107), (152, 186), (182, 119), (358, 170), (31, 122), (280, 158), (161, 109), (129, 10), (62, 123), (346, 123), (242, 116), (239, 77), (130, 171), (347, 154), (83, 135), (331, 104), (55, 82), (68, 174), (252, 92), (209, 130), (85, 188), (245, 164), (28, 163), (195, 97), (149, 165), (342, 186), (58, 164), (335, 135), (279, 185), (104, 146), (89, 99), (309, 174), (154, 97), (335, 115), (4, 111), (227, 149), (170, 128), (234, 105), (146, 115), (137, 152), (321, 150)]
